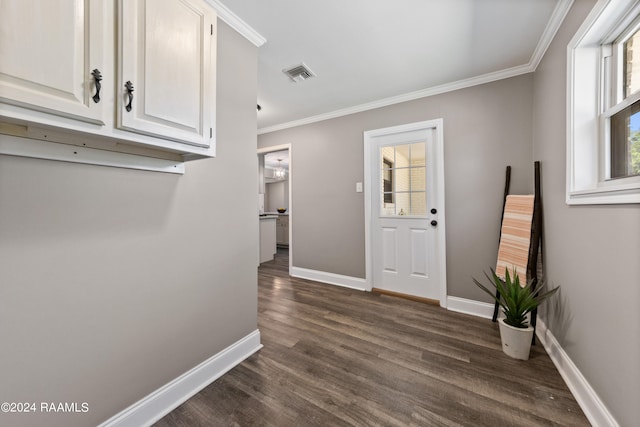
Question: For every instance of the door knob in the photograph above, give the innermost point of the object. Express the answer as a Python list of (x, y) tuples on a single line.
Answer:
[(434, 222), (434, 211)]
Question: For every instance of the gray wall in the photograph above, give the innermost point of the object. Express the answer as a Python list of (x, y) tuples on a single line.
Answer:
[(276, 196), (114, 282), (591, 252), (485, 128)]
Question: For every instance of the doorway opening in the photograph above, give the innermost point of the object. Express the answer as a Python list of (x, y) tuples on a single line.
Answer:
[(275, 178)]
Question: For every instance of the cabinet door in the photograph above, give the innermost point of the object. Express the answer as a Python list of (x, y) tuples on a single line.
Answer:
[(48, 50), (285, 231), (279, 232), (167, 54)]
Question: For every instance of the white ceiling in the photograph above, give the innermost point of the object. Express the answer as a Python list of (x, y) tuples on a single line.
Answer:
[(369, 53), (276, 159)]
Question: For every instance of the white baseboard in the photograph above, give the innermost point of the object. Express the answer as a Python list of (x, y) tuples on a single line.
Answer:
[(156, 405), (593, 408), (330, 278), (469, 306)]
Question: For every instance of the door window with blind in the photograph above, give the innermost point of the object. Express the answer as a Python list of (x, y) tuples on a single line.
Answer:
[(403, 180)]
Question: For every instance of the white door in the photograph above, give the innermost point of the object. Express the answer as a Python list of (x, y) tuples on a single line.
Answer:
[(48, 53), (406, 215), (167, 69)]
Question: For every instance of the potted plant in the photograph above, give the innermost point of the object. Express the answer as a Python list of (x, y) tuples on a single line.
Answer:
[(516, 302)]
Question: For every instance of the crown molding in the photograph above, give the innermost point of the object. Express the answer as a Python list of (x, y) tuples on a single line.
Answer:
[(423, 93), (236, 23), (553, 25)]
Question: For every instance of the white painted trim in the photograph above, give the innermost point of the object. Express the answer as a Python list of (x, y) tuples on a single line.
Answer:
[(438, 125), (368, 253), (423, 93), (589, 401), (280, 148), (469, 306), (605, 196), (156, 405), (592, 406), (441, 235), (330, 278), (235, 22), (587, 157), (553, 25), (273, 148), (37, 149)]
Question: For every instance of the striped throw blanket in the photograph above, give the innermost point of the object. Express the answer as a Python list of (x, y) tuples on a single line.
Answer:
[(515, 236)]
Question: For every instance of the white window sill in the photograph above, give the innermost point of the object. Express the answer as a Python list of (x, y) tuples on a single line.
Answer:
[(604, 196)]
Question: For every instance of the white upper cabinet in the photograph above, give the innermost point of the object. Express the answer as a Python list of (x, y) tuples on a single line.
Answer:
[(48, 52), (165, 77), (135, 77)]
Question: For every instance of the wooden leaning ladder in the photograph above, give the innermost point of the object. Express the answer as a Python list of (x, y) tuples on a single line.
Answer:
[(535, 242)]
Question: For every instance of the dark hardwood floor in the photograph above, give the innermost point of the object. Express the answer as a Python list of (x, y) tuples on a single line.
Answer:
[(340, 357)]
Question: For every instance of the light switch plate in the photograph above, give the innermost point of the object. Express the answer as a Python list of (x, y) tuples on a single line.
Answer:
[(358, 187)]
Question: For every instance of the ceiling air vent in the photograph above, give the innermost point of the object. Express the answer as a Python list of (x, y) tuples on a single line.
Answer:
[(299, 73)]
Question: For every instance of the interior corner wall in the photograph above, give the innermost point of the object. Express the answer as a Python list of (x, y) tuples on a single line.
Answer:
[(591, 252), (486, 128), (114, 282)]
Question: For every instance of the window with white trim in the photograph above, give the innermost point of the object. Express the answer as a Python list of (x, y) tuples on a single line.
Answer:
[(603, 108), (622, 115)]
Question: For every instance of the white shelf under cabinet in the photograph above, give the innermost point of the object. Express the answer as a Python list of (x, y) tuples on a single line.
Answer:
[(26, 147)]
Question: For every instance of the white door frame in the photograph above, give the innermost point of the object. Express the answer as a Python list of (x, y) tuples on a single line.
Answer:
[(438, 164), (280, 148)]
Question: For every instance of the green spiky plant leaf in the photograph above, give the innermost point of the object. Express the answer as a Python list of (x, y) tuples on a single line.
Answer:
[(516, 301)]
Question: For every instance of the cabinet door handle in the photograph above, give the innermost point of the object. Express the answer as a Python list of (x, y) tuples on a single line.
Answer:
[(129, 87), (97, 77)]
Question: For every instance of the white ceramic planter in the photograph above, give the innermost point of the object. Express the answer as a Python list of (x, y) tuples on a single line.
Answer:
[(516, 342)]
